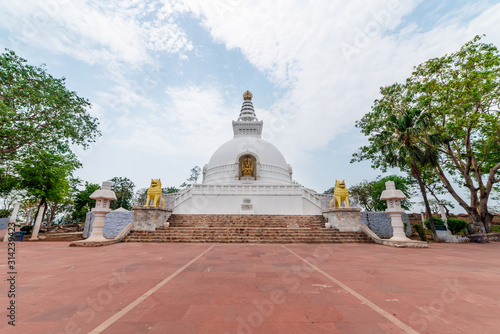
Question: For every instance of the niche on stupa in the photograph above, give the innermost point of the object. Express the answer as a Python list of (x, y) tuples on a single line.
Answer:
[(247, 167)]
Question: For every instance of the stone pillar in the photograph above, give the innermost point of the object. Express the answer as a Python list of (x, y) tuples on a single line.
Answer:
[(423, 220), (443, 215), (344, 219), (38, 223), (393, 197), (149, 218), (103, 198), (12, 222)]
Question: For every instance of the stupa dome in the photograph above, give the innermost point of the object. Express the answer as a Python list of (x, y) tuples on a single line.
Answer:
[(268, 165)]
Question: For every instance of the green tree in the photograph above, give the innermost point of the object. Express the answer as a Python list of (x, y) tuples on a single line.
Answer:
[(8, 183), (393, 127), (46, 175), (461, 91), (436, 189), (140, 196), (329, 191), (195, 173), (435, 203), (363, 191), (82, 202), (62, 208), (37, 110), (456, 97), (169, 190), (124, 190), (193, 178)]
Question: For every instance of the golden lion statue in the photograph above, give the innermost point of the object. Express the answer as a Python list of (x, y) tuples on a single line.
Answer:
[(340, 194), (154, 193)]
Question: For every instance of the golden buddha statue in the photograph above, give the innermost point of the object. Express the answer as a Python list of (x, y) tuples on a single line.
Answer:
[(247, 167)]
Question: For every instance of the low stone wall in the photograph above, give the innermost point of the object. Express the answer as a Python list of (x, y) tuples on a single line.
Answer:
[(4, 222), (488, 237), (380, 223), (344, 219), (114, 223), (148, 218)]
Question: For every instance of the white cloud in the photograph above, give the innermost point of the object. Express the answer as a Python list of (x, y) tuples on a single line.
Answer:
[(328, 57), (332, 56), (97, 31), (193, 121)]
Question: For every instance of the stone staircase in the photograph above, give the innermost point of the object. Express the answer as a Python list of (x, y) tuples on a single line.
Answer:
[(247, 229)]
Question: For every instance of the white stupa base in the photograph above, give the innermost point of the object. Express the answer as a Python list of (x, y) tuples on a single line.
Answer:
[(257, 198)]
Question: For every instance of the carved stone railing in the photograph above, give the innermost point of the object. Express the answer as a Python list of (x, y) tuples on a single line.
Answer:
[(174, 199), (230, 172), (322, 201), (245, 189)]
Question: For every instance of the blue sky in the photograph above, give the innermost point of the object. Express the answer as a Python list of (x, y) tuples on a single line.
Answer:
[(165, 78)]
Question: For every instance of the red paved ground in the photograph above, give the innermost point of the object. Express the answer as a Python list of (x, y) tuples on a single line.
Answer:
[(237, 288)]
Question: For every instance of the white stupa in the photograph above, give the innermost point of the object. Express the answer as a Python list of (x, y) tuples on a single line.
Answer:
[(248, 175)]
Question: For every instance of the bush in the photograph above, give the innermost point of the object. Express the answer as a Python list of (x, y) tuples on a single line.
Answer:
[(420, 231), (5, 213), (437, 221), (456, 225), (27, 228)]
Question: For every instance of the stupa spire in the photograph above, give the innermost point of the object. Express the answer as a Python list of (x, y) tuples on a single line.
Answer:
[(247, 123), (247, 112)]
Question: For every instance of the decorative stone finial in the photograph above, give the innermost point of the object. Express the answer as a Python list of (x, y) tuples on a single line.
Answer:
[(391, 192), (104, 193), (247, 96)]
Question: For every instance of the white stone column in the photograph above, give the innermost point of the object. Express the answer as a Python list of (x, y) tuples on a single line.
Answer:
[(103, 198), (443, 215), (38, 223), (423, 220), (12, 221), (393, 197)]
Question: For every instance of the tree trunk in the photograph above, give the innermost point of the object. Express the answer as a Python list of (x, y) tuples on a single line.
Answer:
[(447, 211), (478, 209), (418, 176), (47, 214), (51, 213), (437, 199), (478, 221), (473, 213)]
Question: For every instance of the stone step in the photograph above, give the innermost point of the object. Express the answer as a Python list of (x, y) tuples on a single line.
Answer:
[(248, 240), (247, 229), (244, 217), (238, 233), (152, 237), (240, 237), (246, 232), (245, 220), (256, 238)]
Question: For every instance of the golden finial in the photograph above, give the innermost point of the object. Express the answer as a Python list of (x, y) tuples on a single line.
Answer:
[(247, 96)]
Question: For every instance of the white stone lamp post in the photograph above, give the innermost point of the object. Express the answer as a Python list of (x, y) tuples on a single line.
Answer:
[(393, 197), (103, 198)]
